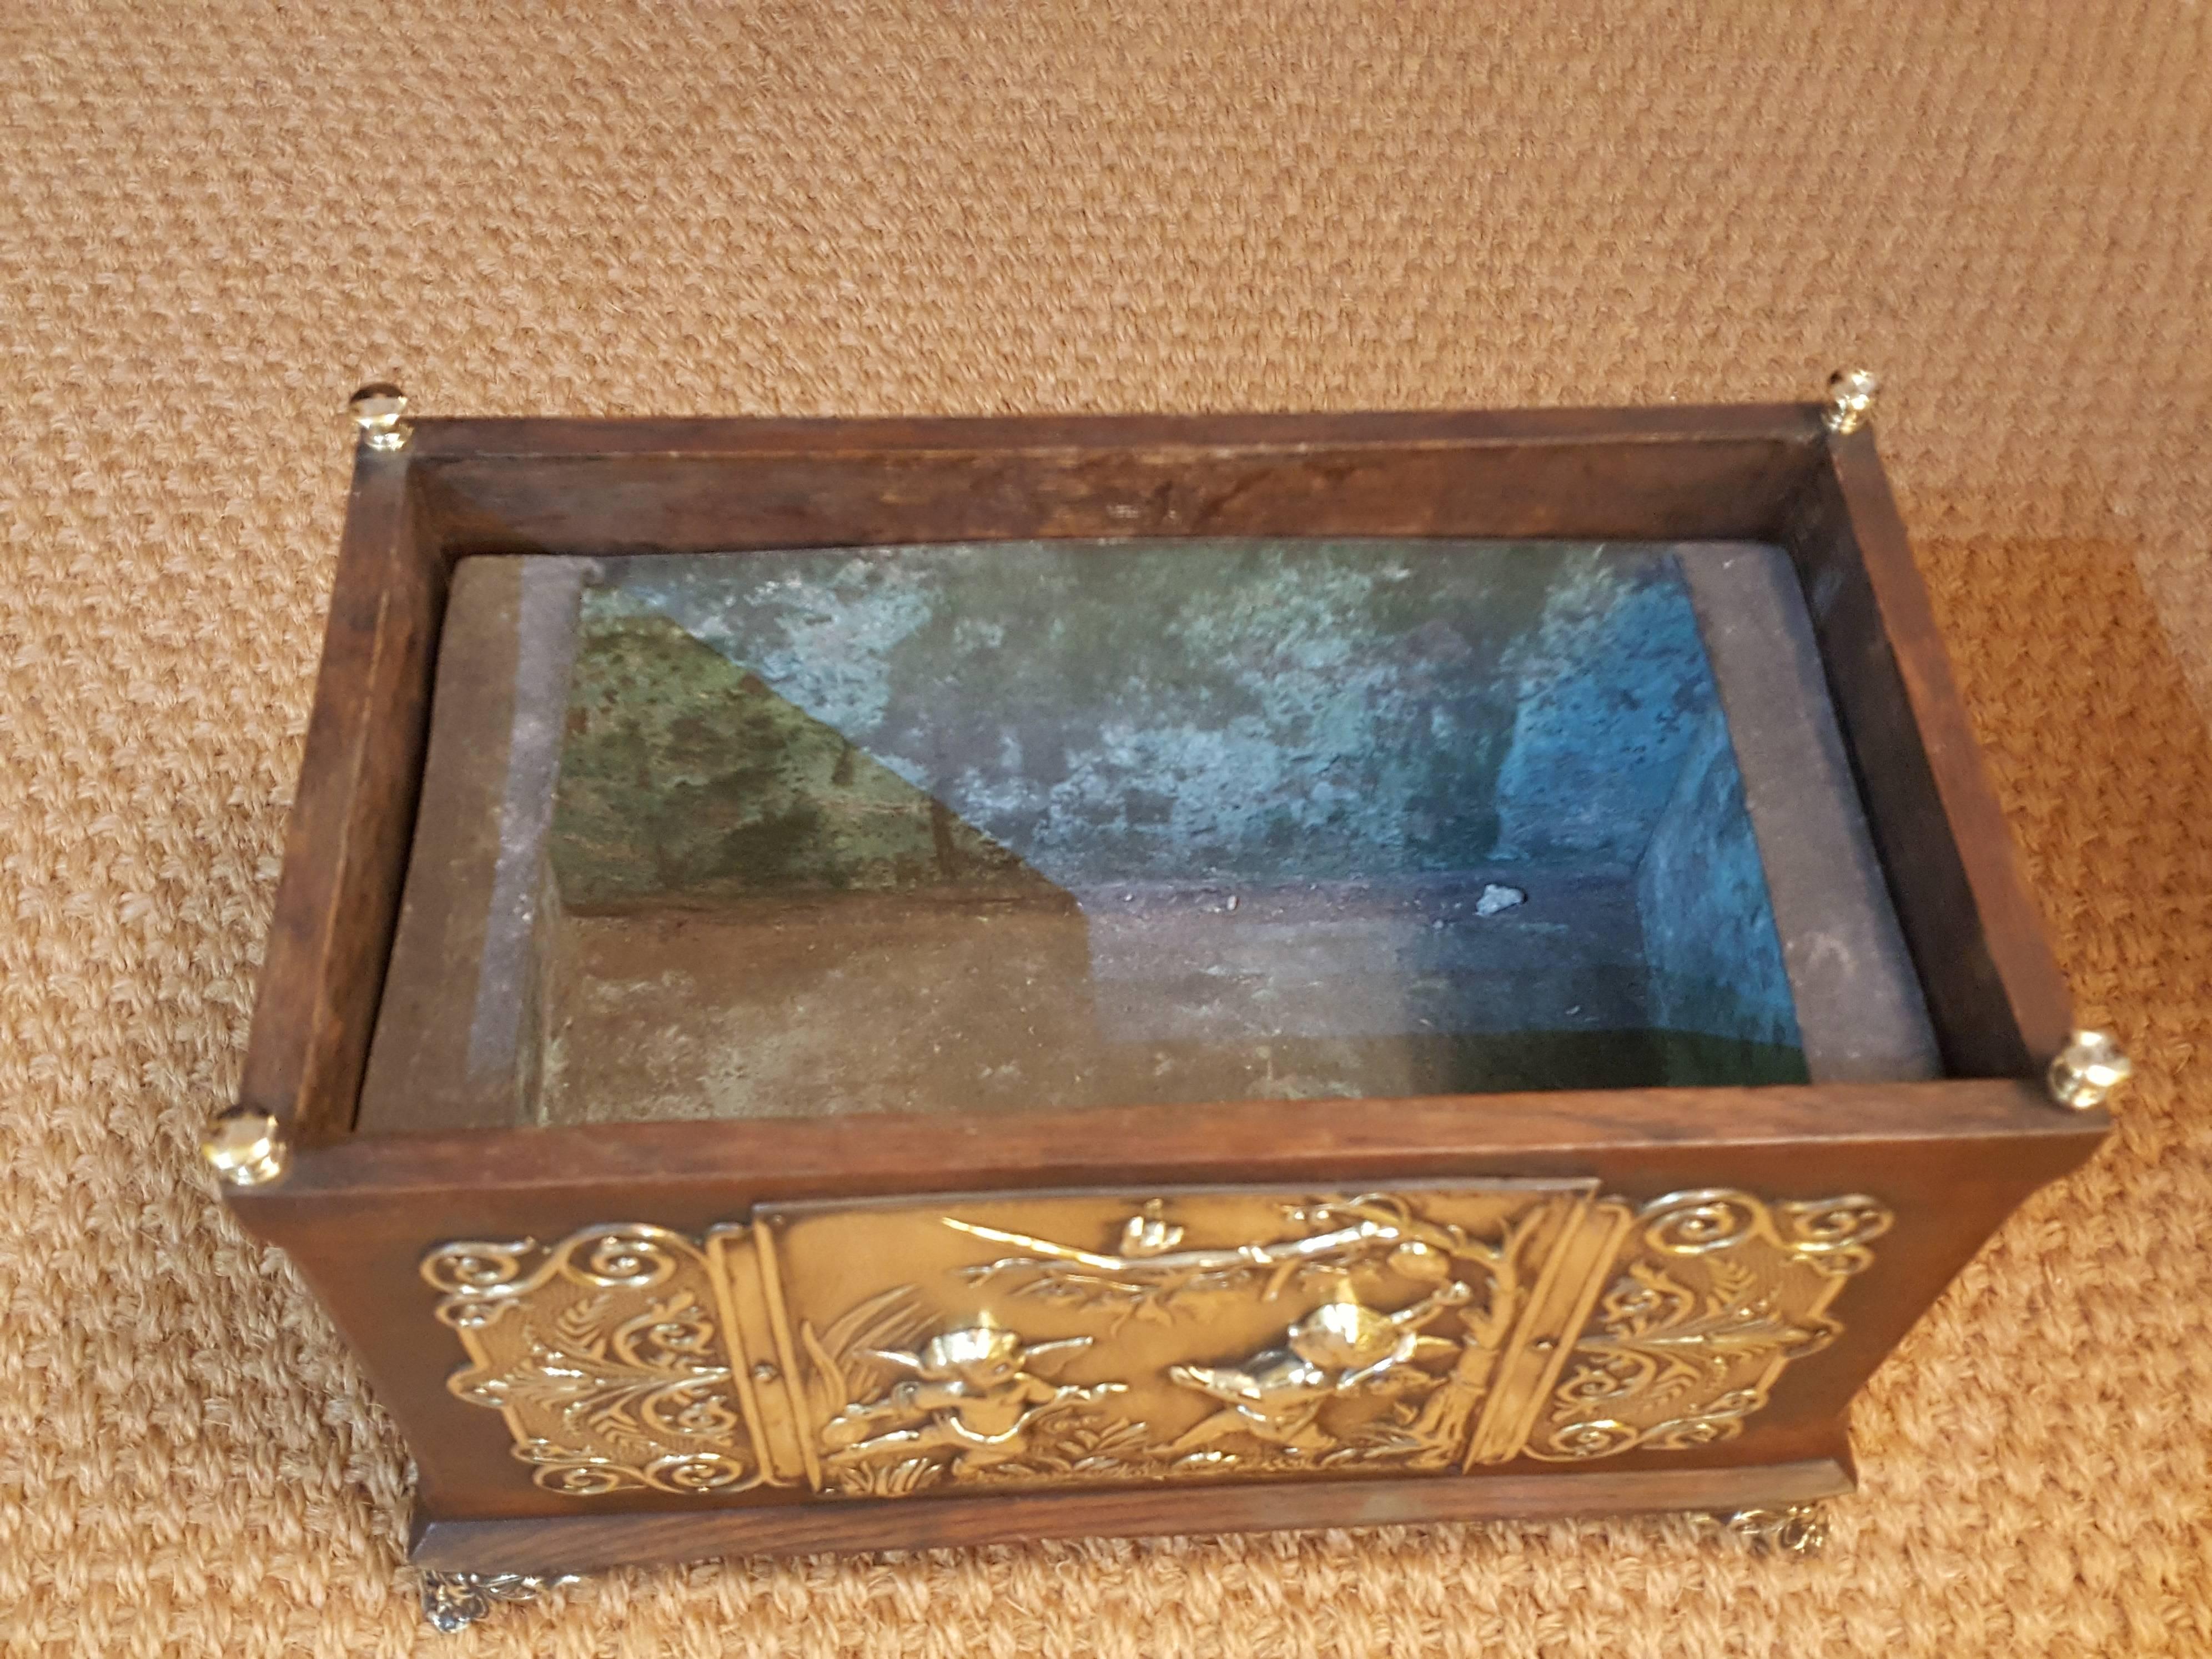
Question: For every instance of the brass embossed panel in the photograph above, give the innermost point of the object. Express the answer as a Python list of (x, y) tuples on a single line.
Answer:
[(1073, 1339), (1067, 1340)]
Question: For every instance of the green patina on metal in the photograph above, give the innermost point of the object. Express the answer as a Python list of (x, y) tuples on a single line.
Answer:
[(684, 779)]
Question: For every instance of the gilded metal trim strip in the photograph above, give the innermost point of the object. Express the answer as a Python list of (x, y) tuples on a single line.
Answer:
[(741, 1365), (1572, 1275), (780, 1331), (733, 1252)]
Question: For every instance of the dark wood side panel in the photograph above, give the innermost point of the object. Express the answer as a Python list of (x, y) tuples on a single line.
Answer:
[(599, 487), (1951, 1159), (724, 437), (1995, 993), (566, 1170), (583, 1543), (345, 846)]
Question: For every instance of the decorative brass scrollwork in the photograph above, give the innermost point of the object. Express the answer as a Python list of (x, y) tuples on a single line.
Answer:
[(602, 1357), (1717, 1295), (1064, 1340)]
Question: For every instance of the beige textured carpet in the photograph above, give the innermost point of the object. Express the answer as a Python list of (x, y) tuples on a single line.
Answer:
[(215, 220)]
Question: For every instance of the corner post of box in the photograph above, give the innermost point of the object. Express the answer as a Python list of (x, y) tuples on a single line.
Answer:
[(352, 817), (1998, 1002)]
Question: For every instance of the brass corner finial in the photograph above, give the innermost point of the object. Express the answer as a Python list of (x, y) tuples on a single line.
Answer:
[(1850, 399), (376, 410), (2088, 1069), (246, 1147)]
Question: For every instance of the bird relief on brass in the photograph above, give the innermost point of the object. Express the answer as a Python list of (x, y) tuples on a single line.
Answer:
[(1060, 1340)]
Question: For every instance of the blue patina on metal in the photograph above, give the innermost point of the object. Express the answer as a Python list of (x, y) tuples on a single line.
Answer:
[(1311, 729), (1713, 962)]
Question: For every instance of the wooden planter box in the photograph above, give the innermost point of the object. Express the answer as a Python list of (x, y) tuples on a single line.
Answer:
[(617, 1341)]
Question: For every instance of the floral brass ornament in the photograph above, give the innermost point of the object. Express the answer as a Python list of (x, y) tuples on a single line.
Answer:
[(1798, 1529), (454, 1601), (1064, 1340)]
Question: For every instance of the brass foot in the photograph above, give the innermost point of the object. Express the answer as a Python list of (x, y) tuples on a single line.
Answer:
[(454, 1600), (1798, 1529)]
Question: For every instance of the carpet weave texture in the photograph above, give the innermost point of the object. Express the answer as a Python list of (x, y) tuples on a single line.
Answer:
[(217, 219)]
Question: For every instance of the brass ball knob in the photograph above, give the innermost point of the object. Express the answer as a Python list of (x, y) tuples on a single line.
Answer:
[(376, 410), (2088, 1069), (245, 1147), (1850, 399)]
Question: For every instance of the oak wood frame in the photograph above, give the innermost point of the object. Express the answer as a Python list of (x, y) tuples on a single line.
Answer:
[(1951, 1158)]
